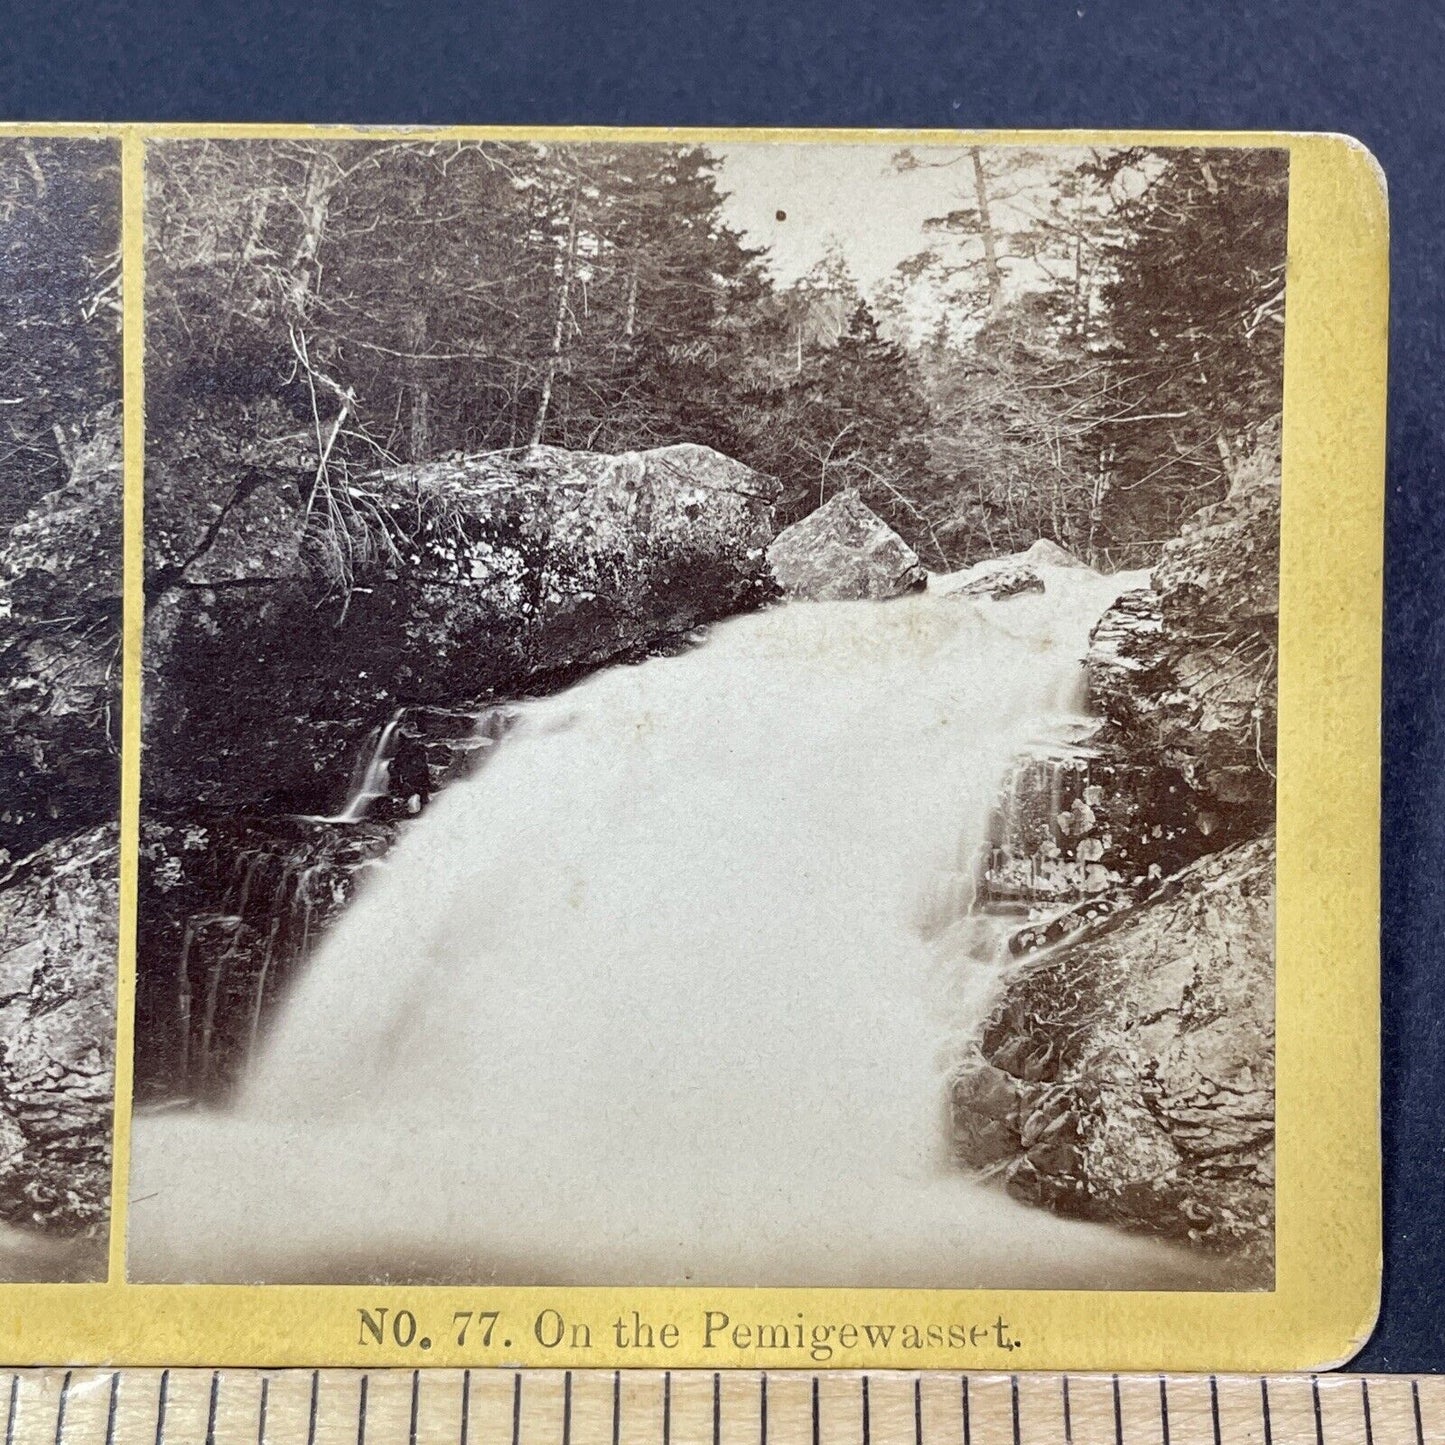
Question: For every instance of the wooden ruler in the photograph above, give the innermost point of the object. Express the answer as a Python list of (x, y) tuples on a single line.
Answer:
[(654, 1407)]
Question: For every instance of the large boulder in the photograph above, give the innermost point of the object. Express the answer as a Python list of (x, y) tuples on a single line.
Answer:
[(58, 938), (285, 623), (1185, 674), (841, 552), (1127, 1075)]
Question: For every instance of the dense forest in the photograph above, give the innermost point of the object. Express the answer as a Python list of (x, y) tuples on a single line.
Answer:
[(1052, 362)]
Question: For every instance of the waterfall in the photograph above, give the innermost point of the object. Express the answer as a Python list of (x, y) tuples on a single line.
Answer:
[(372, 776), (670, 991)]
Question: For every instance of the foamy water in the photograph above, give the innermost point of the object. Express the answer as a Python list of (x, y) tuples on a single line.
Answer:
[(668, 992)]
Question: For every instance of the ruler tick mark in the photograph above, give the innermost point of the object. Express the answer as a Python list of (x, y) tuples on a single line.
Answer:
[(917, 1410), (1119, 1417), (1319, 1418), (110, 1409), (567, 1409), (815, 1410), (1163, 1412), (1214, 1405), (516, 1407), (967, 1423), (1264, 1411), (667, 1407), (210, 1409), (60, 1409), (1414, 1400), (867, 1414), (415, 1400), (311, 1421), (15, 1398), (466, 1406), (161, 1407), (1365, 1402), (1014, 1393), (763, 1409), (261, 1417), (616, 1405), (1068, 1416), (361, 1414)]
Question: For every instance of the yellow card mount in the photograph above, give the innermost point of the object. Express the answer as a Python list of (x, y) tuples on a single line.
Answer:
[(718, 739)]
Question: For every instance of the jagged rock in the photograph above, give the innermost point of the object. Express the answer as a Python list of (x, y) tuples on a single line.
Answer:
[(58, 938), (1185, 674), (1126, 654), (1002, 582), (844, 551), (268, 661), (986, 1116), (1128, 1075)]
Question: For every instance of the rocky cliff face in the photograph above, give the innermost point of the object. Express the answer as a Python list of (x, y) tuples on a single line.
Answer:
[(60, 667), (58, 939), (1187, 671), (60, 598), (275, 639), (1128, 1075)]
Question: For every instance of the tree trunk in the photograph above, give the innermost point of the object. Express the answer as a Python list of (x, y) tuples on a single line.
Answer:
[(1081, 308), (992, 273), (559, 321), (419, 423), (315, 201), (629, 327)]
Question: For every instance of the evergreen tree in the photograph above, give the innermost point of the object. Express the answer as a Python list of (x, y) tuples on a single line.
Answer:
[(1195, 330)]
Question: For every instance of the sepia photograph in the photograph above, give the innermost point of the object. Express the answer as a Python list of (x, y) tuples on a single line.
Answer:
[(60, 679), (709, 711)]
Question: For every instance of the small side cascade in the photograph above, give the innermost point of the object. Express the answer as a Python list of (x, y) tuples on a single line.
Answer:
[(1079, 833), (1049, 842), (371, 778), (275, 889), (415, 754)]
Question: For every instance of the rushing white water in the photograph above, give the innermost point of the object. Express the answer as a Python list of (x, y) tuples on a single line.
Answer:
[(668, 992)]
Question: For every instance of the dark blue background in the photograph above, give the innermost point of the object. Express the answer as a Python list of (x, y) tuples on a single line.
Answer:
[(1375, 70)]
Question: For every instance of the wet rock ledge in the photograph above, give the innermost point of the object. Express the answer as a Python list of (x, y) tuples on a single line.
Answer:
[(1128, 1075)]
